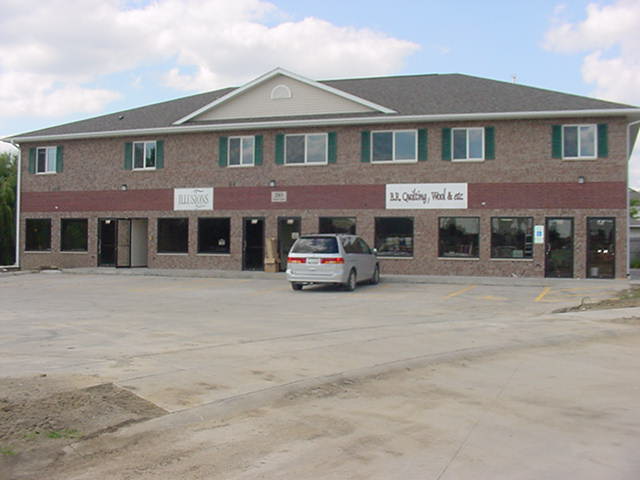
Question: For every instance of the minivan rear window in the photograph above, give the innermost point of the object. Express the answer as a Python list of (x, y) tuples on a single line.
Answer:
[(315, 245)]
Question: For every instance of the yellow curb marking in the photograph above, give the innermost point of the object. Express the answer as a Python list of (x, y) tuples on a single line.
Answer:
[(460, 292)]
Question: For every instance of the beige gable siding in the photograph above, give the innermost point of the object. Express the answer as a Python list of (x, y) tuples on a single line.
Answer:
[(305, 100)]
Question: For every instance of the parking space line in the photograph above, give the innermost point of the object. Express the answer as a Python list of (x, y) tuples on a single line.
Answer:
[(460, 292), (543, 294)]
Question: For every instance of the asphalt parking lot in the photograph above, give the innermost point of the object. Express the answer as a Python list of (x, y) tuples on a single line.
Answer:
[(458, 380)]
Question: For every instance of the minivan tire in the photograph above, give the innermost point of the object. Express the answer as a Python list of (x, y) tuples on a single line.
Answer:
[(296, 286), (375, 278), (351, 281)]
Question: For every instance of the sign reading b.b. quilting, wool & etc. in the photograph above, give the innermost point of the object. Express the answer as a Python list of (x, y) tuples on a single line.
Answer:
[(426, 195)]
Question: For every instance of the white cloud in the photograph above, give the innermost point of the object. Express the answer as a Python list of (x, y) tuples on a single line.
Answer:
[(51, 53), (610, 36)]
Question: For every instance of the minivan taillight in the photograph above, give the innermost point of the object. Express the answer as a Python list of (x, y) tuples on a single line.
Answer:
[(296, 260), (332, 260)]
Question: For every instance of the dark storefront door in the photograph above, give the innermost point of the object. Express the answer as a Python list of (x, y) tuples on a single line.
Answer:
[(601, 247), (559, 247), (253, 241), (288, 232), (107, 242)]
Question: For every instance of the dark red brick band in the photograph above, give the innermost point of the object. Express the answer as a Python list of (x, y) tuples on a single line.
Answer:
[(357, 197)]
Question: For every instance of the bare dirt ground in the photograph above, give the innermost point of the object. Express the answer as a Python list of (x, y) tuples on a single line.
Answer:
[(41, 415), (624, 299)]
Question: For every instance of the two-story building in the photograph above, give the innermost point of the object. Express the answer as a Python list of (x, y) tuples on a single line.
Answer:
[(443, 174)]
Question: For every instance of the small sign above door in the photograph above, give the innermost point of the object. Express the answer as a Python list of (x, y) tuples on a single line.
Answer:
[(193, 198)]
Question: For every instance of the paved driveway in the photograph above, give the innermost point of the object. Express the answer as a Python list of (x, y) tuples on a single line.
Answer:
[(187, 342)]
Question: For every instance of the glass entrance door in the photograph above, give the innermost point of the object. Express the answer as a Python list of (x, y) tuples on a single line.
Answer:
[(107, 242), (253, 239), (559, 248), (601, 247)]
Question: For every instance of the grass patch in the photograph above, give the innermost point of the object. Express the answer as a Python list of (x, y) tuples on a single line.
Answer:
[(7, 451), (66, 433)]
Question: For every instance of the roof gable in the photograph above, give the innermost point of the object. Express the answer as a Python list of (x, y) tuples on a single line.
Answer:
[(280, 93)]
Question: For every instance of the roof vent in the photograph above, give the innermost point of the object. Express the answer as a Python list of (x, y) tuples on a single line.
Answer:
[(121, 117), (280, 92)]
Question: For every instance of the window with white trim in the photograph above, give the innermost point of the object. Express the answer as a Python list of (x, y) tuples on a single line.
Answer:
[(144, 155), (241, 151), (579, 141), (46, 158), (394, 146), (468, 143), (310, 148)]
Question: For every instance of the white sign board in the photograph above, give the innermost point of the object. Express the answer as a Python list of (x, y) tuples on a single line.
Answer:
[(538, 234), (278, 197), (193, 198), (426, 195)]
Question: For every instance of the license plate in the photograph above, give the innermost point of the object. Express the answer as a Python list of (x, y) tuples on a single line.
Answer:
[(313, 261)]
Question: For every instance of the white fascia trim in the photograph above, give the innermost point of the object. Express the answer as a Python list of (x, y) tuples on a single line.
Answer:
[(329, 122), (286, 73)]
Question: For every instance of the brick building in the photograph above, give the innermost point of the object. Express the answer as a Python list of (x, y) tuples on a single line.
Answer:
[(443, 174)]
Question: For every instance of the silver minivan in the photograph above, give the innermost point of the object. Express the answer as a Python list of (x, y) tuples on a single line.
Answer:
[(331, 258)]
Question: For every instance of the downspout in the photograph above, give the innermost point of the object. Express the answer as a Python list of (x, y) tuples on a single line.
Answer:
[(18, 190), (630, 143)]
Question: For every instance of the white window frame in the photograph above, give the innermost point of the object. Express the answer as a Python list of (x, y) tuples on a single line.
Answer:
[(305, 135), (144, 155), (253, 151), (467, 158), (393, 146), (50, 160), (579, 146)]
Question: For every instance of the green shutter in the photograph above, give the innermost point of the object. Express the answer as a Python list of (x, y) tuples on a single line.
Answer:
[(365, 147), (222, 151), (422, 145), (556, 141), (59, 159), (446, 144), (603, 142), (128, 156), (489, 143), (258, 150), (32, 160), (160, 154), (332, 148), (280, 149)]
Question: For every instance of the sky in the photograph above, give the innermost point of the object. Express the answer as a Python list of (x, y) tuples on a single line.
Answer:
[(65, 60)]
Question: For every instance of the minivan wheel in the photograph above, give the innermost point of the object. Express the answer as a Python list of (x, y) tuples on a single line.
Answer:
[(296, 286), (376, 276), (351, 281)]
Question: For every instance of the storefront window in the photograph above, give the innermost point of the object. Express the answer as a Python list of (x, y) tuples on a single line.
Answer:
[(511, 237), (38, 234), (394, 236), (213, 235), (73, 235), (459, 237), (337, 225), (173, 235)]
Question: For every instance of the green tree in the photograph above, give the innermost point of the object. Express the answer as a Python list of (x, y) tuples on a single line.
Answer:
[(634, 203), (8, 181)]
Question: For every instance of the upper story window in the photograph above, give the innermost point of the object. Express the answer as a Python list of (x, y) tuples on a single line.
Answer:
[(309, 148), (44, 160), (144, 155), (579, 141), (472, 144), (394, 146), (241, 151), (468, 143)]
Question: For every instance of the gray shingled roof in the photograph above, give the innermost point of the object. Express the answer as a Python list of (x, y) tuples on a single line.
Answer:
[(407, 95)]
